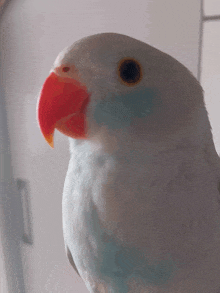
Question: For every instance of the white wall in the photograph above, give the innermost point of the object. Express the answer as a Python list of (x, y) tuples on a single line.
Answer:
[(3, 280), (32, 34), (210, 77)]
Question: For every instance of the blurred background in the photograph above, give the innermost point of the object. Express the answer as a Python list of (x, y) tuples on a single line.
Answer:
[(32, 33)]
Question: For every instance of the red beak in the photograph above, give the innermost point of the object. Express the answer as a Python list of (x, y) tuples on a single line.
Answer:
[(62, 105)]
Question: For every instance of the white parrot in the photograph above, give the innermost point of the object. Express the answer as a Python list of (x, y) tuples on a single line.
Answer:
[(141, 203)]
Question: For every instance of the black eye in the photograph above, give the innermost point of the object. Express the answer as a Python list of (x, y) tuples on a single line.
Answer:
[(130, 71), (65, 69)]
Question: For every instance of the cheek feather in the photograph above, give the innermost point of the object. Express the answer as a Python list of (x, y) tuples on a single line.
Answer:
[(118, 111)]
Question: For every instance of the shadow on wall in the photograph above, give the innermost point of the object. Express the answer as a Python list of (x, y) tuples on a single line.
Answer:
[(11, 210)]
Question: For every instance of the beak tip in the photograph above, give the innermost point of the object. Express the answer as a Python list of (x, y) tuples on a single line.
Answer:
[(49, 140), (52, 145)]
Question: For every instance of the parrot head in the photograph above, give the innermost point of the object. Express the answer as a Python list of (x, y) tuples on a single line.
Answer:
[(112, 82)]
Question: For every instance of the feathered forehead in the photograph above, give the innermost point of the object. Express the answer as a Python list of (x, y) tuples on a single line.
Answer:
[(102, 48), (98, 56)]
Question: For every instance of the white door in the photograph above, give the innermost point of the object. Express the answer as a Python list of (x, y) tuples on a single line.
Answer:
[(32, 34)]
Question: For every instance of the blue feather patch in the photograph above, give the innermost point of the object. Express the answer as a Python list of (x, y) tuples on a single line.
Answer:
[(117, 264), (118, 111)]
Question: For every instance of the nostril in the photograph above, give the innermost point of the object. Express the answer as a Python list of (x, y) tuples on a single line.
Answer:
[(65, 69)]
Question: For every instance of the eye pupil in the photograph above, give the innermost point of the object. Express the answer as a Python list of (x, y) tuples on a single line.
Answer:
[(66, 68), (130, 71)]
